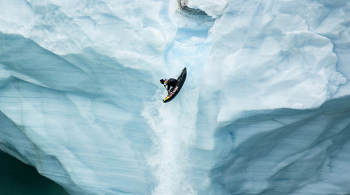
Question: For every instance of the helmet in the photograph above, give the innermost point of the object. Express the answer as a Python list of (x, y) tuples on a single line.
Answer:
[(162, 81)]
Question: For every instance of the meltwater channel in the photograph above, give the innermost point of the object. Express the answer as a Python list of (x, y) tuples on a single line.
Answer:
[(173, 124)]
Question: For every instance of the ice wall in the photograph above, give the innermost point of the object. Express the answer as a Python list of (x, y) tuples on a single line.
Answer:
[(71, 121), (264, 109), (272, 64), (74, 76)]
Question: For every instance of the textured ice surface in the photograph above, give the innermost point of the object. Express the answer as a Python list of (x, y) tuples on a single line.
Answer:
[(264, 110)]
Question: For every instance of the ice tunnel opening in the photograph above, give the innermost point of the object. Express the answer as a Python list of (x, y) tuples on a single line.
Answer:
[(22, 179), (192, 23), (186, 8)]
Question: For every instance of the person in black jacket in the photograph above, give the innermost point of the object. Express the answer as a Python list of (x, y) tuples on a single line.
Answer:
[(169, 83)]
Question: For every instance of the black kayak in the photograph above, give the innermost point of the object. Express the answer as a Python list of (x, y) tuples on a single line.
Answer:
[(174, 91)]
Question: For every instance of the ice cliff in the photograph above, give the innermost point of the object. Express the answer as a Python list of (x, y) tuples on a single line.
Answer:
[(265, 108)]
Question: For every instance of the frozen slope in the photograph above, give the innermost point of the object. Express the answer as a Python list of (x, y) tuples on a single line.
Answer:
[(286, 152), (272, 64), (264, 109), (80, 129)]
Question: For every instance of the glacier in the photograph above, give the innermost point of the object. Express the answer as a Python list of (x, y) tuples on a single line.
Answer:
[(265, 108)]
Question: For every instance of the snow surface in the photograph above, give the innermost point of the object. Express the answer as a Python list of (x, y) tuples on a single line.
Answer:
[(265, 108)]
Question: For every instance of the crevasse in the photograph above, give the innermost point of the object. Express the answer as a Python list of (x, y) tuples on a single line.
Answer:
[(264, 109)]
